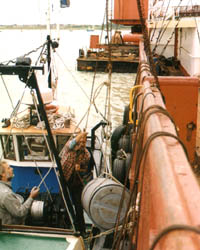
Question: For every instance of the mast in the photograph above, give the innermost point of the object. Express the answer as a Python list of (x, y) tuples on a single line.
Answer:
[(49, 43), (49, 60), (63, 4)]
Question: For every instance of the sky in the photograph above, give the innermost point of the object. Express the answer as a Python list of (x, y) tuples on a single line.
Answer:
[(35, 12)]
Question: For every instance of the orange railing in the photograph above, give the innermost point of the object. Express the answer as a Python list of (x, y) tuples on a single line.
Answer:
[(169, 191)]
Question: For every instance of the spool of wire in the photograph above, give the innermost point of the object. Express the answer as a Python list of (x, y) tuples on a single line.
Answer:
[(37, 209)]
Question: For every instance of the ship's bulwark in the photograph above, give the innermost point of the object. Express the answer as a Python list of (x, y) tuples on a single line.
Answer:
[(170, 194)]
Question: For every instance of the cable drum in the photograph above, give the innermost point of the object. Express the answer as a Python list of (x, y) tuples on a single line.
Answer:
[(37, 209), (101, 200)]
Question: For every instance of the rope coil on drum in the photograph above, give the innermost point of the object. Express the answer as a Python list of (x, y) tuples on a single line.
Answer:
[(37, 209), (175, 227)]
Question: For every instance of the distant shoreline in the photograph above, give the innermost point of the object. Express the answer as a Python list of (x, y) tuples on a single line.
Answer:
[(62, 26)]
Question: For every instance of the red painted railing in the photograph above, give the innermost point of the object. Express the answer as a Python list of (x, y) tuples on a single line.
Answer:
[(170, 193)]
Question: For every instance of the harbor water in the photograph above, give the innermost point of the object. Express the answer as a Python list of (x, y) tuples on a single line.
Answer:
[(73, 87)]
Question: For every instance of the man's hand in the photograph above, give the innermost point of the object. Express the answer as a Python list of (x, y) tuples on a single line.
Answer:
[(34, 192)]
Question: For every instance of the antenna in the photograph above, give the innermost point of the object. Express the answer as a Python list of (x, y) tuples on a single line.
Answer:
[(49, 18)]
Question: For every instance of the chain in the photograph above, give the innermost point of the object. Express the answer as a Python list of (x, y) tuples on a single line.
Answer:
[(30, 52)]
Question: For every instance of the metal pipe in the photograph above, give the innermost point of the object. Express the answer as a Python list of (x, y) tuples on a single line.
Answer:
[(101, 123)]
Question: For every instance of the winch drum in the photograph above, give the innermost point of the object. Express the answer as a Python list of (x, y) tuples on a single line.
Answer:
[(101, 200)]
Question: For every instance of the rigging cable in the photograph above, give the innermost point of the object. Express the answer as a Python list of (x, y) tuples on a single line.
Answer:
[(162, 25), (170, 38), (147, 43), (169, 229), (7, 92), (85, 115), (141, 121), (53, 166), (91, 99), (108, 96), (26, 54), (197, 25), (144, 151), (163, 30), (72, 75), (162, 21), (13, 115)]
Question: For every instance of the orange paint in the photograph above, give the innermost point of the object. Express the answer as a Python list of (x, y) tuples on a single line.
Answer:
[(133, 38), (170, 193), (126, 11), (94, 41), (181, 95)]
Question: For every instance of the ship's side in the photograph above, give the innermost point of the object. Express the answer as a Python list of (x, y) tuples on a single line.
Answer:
[(163, 112)]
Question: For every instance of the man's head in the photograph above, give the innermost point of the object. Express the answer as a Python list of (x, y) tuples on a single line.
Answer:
[(81, 141), (6, 172)]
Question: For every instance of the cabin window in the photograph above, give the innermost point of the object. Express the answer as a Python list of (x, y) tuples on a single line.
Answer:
[(32, 148), (7, 147), (60, 142)]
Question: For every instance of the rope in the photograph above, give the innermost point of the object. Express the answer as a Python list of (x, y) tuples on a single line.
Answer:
[(176, 227), (106, 232), (147, 44), (131, 101), (145, 96), (91, 99), (96, 93), (30, 52), (196, 25), (164, 112), (107, 99), (65, 203), (7, 91), (162, 25), (135, 110), (72, 75), (91, 102), (144, 152), (170, 38), (161, 35), (139, 159), (14, 113), (163, 18), (53, 164)]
